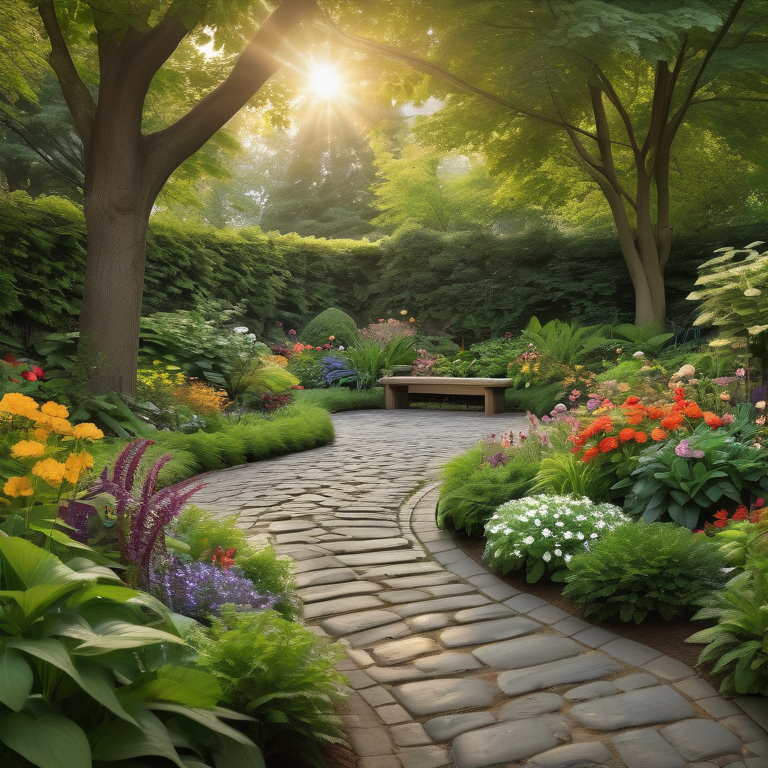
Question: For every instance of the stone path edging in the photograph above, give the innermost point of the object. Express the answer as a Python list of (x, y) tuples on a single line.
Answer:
[(451, 666)]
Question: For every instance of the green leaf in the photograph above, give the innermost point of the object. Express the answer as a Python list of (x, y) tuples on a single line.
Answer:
[(536, 572), (50, 742), (122, 741), (16, 679)]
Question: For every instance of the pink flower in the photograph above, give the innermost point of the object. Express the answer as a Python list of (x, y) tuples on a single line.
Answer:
[(292, 332)]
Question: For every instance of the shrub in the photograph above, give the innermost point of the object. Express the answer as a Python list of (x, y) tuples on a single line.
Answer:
[(637, 569), (279, 673), (472, 489), (271, 575), (370, 360), (307, 367), (383, 332), (538, 398), (542, 533), (736, 644), (331, 322), (203, 533)]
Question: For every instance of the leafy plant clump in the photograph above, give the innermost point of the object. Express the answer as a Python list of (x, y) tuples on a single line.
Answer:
[(543, 533), (65, 633), (331, 322), (736, 644), (279, 673), (472, 489), (638, 569), (335, 399)]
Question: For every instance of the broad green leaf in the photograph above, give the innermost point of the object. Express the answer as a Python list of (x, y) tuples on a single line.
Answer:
[(16, 679), (50, 742), (123, 741), (25, 565)]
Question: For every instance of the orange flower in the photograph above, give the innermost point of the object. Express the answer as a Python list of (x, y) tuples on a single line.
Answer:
[(713, 419), (693, 411), (640, 437), (721, 514), (679, 393), (721, 523), (654, 412), (741, 513), (626, 435), (608, 444), (635, 418), (590, 454), (658, 434), (632, 400), (672, 422)]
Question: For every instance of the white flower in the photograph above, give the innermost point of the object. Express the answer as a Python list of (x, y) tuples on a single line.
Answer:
[(240, 329), (560, 524), (568, 535), (528, 540), (592, 535), (568, 558), (546, 533), (546, 557), (341, 349), (580, 536), (558, 553), (537, 522)]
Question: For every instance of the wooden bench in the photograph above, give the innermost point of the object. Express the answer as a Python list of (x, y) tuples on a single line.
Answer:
[(397, 389)]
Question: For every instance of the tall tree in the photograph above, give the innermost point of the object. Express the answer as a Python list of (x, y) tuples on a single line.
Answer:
[(113, 90), (614, 81)]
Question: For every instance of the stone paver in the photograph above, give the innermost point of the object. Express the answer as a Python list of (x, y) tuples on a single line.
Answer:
[(451, 666)]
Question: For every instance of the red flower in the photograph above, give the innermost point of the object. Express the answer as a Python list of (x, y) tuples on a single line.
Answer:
[(721, 514), (741, 513), (632, 400), (590, 454), (11, 358), (224, 558), (658, 434), (679, 393), (721, 523), (298, 386), (640, 437), (28, 375), (608, 444), (626, 434), (672, 422)]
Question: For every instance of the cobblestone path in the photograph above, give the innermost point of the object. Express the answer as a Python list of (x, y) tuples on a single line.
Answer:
[(450, 666)]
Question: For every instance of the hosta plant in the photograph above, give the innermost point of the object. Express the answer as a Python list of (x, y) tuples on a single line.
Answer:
[(91, 677), (543, 533), (737, 643), (638, 569)]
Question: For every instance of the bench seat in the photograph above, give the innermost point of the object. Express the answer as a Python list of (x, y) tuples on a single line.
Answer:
[(397, 389)]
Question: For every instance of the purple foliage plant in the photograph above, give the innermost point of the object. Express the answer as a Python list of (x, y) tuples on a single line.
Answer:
[(142, 516)]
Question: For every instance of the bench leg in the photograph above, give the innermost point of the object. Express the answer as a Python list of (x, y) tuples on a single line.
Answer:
[(494, 401), (395, 397)]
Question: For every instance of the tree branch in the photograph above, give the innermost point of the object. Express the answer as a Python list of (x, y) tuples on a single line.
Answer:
[(613, 97), (429, 68), (165, 150), (77, 96)]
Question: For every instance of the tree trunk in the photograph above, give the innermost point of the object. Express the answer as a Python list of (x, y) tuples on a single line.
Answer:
[(112, 295)]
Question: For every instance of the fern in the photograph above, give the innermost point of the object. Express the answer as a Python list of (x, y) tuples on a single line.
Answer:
[(563, 474)]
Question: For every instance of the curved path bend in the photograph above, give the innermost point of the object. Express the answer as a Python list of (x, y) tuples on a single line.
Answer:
[(450, 666)]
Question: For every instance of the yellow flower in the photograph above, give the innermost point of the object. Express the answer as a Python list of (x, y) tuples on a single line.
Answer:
[(60, 426), (18, 486), (87, 431), (75, 465), (42, 434), (18, 404), (411, 319), (623, 387), (50, 470), (54, 409), (403, 311), (26, 449)]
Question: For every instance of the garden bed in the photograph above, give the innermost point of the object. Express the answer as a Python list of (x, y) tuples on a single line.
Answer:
[(668, 637)]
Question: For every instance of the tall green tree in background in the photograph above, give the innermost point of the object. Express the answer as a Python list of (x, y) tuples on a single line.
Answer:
[(613, 82), (120, 65)]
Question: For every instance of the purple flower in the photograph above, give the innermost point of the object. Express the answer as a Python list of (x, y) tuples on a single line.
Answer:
[(698, 454), (593, 405), (724, 381), (561, 408), (199, 589), (498, 460), (683, 449)]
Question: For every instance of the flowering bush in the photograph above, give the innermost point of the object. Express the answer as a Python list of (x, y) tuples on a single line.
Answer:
[(157, 384), (50, 457), (386, 330), (542, 533), (200, 589), (201, 398), (685, 480)]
